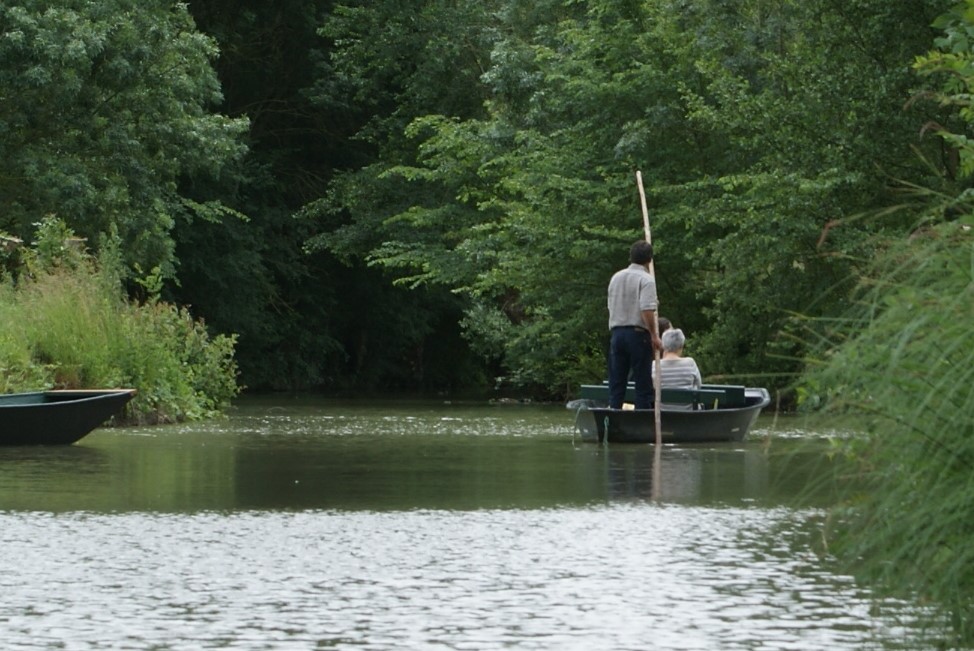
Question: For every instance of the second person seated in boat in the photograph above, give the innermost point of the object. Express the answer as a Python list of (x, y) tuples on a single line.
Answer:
[(676, 371), (664, 324)]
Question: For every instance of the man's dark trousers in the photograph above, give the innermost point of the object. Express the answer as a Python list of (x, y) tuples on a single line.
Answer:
[(631, 349)]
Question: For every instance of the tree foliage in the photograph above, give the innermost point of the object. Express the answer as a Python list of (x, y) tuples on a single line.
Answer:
[(105, 110), (759, 127), (425, 166)]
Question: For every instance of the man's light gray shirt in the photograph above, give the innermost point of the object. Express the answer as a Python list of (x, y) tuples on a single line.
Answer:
[(631, 291)]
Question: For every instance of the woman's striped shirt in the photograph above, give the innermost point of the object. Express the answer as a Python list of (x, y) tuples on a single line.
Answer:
[(679, 373)]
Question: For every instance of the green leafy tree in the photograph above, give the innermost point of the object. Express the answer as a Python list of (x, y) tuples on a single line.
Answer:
[(759, 128), (250, 276), (387, 63), (809, 98), (105, 113)]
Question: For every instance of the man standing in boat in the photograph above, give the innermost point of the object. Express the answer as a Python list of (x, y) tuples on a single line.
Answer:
[(632, 322)]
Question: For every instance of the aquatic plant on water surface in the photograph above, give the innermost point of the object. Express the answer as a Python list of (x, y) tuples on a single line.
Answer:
[(66, 323)]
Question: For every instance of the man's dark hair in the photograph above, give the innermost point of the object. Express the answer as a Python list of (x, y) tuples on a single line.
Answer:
[(641, 252)]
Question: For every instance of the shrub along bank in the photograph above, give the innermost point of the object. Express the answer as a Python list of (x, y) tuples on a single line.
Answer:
[(66, 322)]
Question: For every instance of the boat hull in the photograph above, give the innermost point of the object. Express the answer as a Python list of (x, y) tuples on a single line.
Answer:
[(57, 417), (601, 424)]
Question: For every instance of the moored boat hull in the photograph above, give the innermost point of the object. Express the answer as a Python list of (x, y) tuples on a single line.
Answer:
[(57, 417)]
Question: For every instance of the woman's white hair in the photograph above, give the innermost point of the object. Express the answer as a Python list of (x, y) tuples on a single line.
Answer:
[(673, 340)]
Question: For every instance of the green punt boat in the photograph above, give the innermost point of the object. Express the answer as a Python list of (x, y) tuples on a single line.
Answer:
[(712, 413), (57, 417)]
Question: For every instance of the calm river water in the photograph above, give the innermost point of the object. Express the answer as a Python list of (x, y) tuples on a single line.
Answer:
[(314, 524)]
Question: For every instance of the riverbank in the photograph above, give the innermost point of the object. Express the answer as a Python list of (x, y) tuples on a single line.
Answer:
[(68, 323)]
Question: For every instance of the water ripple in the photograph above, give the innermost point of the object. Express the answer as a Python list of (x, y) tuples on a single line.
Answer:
[(631, 576)]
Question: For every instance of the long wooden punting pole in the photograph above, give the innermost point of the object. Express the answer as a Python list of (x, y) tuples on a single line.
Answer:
[(652, 270)]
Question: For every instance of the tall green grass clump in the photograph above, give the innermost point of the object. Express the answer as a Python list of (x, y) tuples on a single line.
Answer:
[(906, 363), (18, 368), (904, 359), (66, 323)]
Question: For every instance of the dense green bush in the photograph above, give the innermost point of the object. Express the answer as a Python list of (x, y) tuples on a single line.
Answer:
[(66, 323)]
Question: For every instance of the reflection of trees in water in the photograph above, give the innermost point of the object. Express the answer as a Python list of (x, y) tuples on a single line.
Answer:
[(61, 471)]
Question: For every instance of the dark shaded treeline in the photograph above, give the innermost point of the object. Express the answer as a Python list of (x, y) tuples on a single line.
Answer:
[(306, 320)]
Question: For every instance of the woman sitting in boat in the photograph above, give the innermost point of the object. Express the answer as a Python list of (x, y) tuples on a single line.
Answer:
[(677, 371)]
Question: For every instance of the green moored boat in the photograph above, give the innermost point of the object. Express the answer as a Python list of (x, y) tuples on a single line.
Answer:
[(57, 417)]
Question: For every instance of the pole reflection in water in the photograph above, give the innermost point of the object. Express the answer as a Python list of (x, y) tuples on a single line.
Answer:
[(721, 474), (657, 470)]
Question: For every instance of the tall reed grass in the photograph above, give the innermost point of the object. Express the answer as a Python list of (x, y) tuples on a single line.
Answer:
[(66, 323), (905, 359)]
